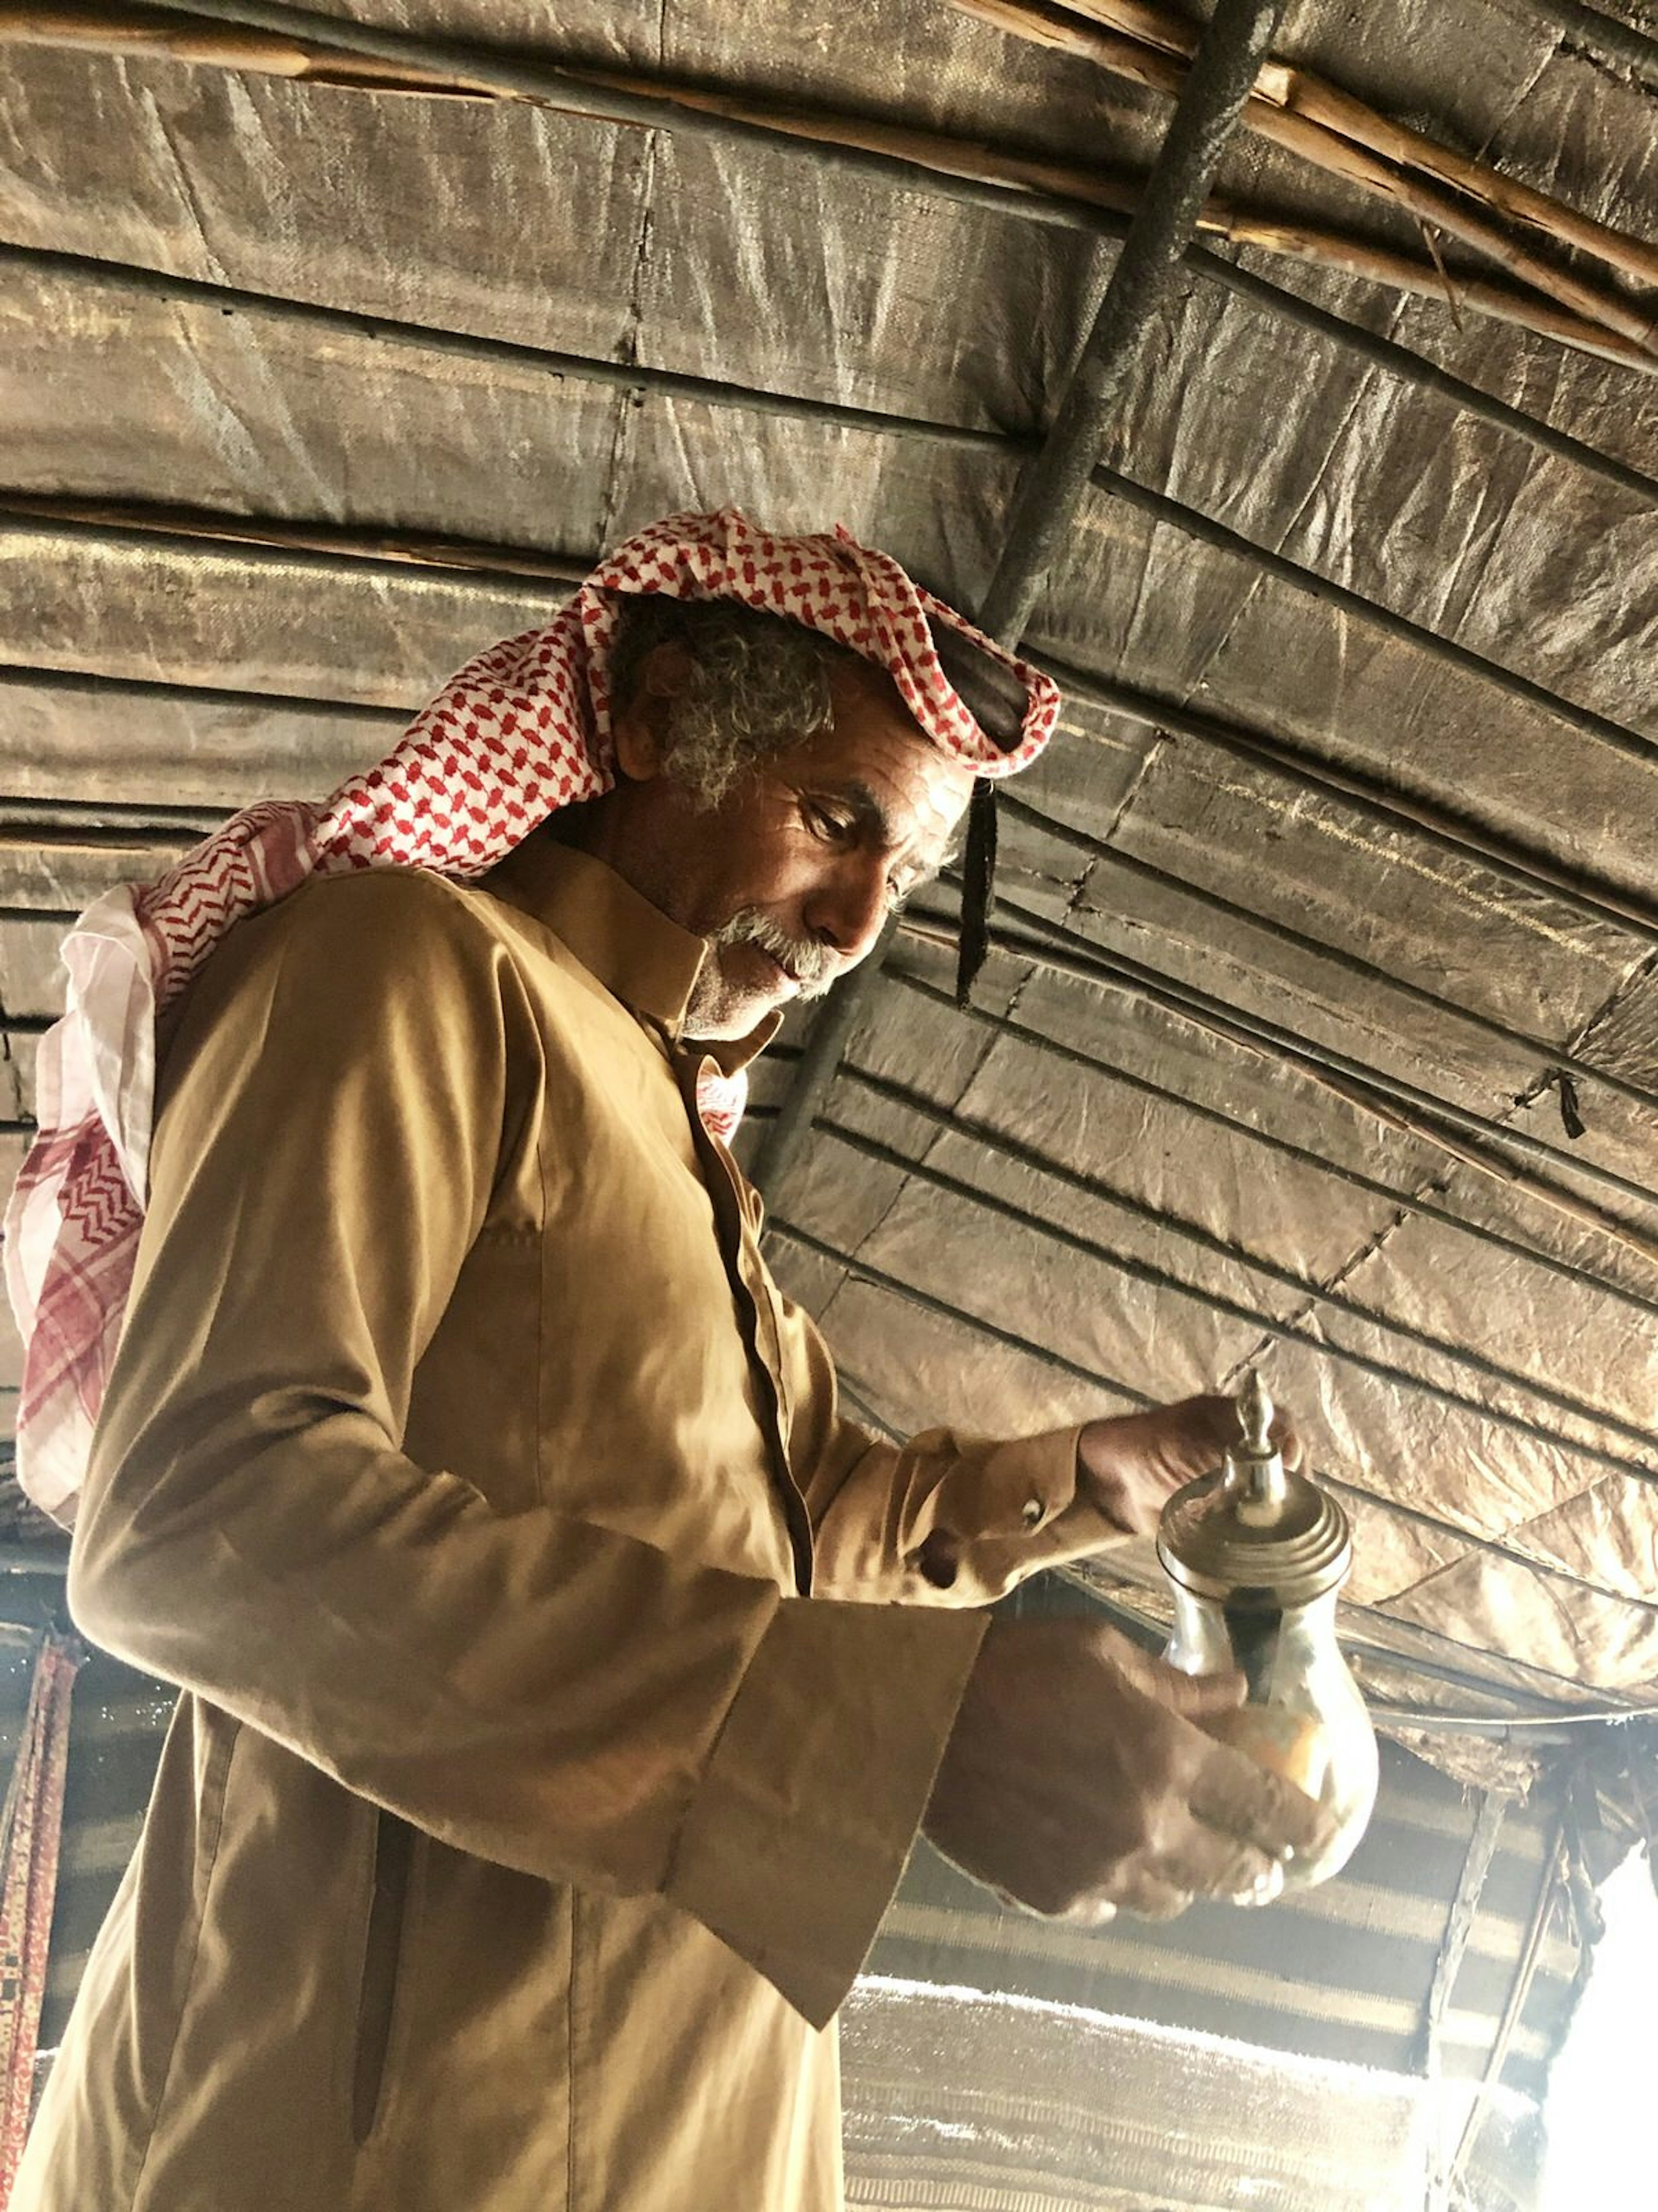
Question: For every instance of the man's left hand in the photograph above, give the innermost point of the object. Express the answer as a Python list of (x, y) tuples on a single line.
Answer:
[(1128, 1468)]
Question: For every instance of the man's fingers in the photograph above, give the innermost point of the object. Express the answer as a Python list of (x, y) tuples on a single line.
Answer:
[(1241, 1800), (1197, 1698), (1088, 1912), (1208, 1428), (1075, 1777), (1266, 1889), (1154, 1897), (1285, 1436), (1212, 1864)]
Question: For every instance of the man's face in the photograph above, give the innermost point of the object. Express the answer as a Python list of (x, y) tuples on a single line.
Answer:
[(792, 874)]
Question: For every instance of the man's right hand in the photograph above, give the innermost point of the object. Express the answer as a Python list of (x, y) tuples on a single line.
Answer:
[(1078, 1780)]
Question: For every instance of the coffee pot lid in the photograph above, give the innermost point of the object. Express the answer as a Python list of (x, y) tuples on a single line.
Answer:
[(1255, 1532)]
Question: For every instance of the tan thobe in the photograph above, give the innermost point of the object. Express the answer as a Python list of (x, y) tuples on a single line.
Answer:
[(524, 1821)]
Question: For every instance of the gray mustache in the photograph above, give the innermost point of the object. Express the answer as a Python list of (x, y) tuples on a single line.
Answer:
[(812, 965)]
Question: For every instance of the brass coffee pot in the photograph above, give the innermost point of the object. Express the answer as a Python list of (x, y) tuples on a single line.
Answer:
[(1257, 1553)]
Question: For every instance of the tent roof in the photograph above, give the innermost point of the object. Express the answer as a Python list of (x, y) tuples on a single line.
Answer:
[(1321, 1026), (1341, 869)]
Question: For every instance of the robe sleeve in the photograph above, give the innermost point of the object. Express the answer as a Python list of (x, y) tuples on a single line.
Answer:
[(948, 1518)]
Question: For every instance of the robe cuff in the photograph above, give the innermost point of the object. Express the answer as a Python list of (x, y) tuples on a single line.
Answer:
[(798, 1830), (1021, 1488)]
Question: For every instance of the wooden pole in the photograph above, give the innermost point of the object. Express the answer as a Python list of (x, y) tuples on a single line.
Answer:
[(1335, 132), (264, 36)]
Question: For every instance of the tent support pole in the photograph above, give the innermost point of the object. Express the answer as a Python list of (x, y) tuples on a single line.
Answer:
[(1231, 50)]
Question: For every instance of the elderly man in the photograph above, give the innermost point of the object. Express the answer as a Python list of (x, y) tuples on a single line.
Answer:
[(531, 1806)]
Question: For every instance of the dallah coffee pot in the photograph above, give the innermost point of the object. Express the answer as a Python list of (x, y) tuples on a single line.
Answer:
[(1257, 1553)]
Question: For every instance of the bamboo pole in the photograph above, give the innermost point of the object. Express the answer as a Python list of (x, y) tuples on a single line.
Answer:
[(1555, 304), (108, 27), (1428, 280), (358, 58), (1299, 92), (1336, 133), (274, 534)]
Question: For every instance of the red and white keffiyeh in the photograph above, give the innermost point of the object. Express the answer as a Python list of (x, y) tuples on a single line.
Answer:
[(522, 731)]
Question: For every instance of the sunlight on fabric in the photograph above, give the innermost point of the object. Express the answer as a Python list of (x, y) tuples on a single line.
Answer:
[(1599, 2108), (953, 2088)]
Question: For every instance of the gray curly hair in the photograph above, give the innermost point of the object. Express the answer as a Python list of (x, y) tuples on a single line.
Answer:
[(758, 684)]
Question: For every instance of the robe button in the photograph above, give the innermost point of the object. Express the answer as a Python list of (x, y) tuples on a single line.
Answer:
[(1033, 1513), (936, 1559)]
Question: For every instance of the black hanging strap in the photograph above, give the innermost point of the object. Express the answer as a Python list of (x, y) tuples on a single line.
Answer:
[(978, 889)]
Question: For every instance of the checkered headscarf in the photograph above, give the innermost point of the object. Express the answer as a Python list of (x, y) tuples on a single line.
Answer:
[(520, 732)]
